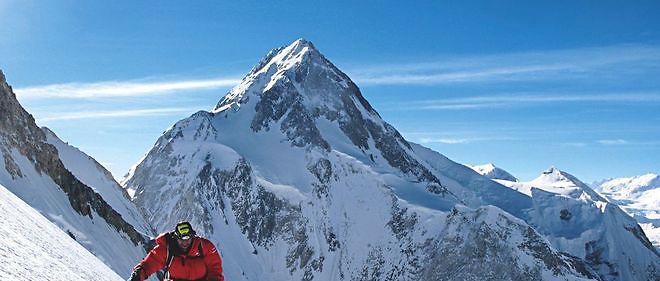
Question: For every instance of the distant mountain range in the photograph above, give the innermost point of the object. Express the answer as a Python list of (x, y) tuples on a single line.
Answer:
[(640, 197)]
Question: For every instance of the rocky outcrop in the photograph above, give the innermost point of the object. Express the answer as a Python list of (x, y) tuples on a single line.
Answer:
[(18, 131)]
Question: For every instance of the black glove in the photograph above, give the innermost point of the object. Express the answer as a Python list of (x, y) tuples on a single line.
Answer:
[(135, 276)]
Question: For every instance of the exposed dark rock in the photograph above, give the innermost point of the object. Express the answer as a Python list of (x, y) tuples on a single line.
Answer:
[(10, 165), (331, 239), (19, 131), (71, 234), (352, 123), (594, 252), (581, 266), (373, 268), (542, 251), (264, 218), (477, 250), (322, 170), (392, 146), (284, 99), (402, 221), (301, 130), (460, 258)]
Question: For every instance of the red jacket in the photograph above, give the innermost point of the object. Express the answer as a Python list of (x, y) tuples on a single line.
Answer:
[(192, 265)]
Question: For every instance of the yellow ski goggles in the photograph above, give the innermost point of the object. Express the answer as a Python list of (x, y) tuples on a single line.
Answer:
[(184, 231)]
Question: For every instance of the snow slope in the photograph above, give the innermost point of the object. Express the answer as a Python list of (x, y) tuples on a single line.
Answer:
[(296, 177), (33, 248), (640, 197)]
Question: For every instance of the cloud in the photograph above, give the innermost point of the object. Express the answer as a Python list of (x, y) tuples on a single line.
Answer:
[(132, 88), (443, 140), (449, 140), (527, 66), (613, 142), (115, 114), (574, 144), (475, 75), (582, 63), (494, 101)]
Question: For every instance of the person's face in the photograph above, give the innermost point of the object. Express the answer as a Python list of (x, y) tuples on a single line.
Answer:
[(184, 243)]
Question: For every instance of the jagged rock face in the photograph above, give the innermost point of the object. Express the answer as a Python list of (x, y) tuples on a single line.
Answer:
[(295, 177), (22, 141), (18, 130), (478, 240), (296, 86)]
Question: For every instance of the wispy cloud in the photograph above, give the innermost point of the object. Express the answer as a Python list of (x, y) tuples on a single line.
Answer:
[(574, 144), (527, 66), (443, 140), (453, 140), (613, 142), (132, 88), (474, 75), (528, 99), (115, 114)]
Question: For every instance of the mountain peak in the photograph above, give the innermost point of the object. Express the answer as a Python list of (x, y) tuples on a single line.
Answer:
[(489, 170), (295, 50), (558, 181), (298, 52), (2, 77), (301, 43), (314, 104), (272, 68), (555, 175), (299, 70)]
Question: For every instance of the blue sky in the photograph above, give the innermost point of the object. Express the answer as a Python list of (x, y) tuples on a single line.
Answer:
[(524, 85)]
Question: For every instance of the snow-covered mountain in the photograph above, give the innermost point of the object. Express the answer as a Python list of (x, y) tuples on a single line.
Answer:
[(555, 181), (577, 220), (640, 197), (90, 172), (296, 177), (68, 187), (490, 171), (33, 248)]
